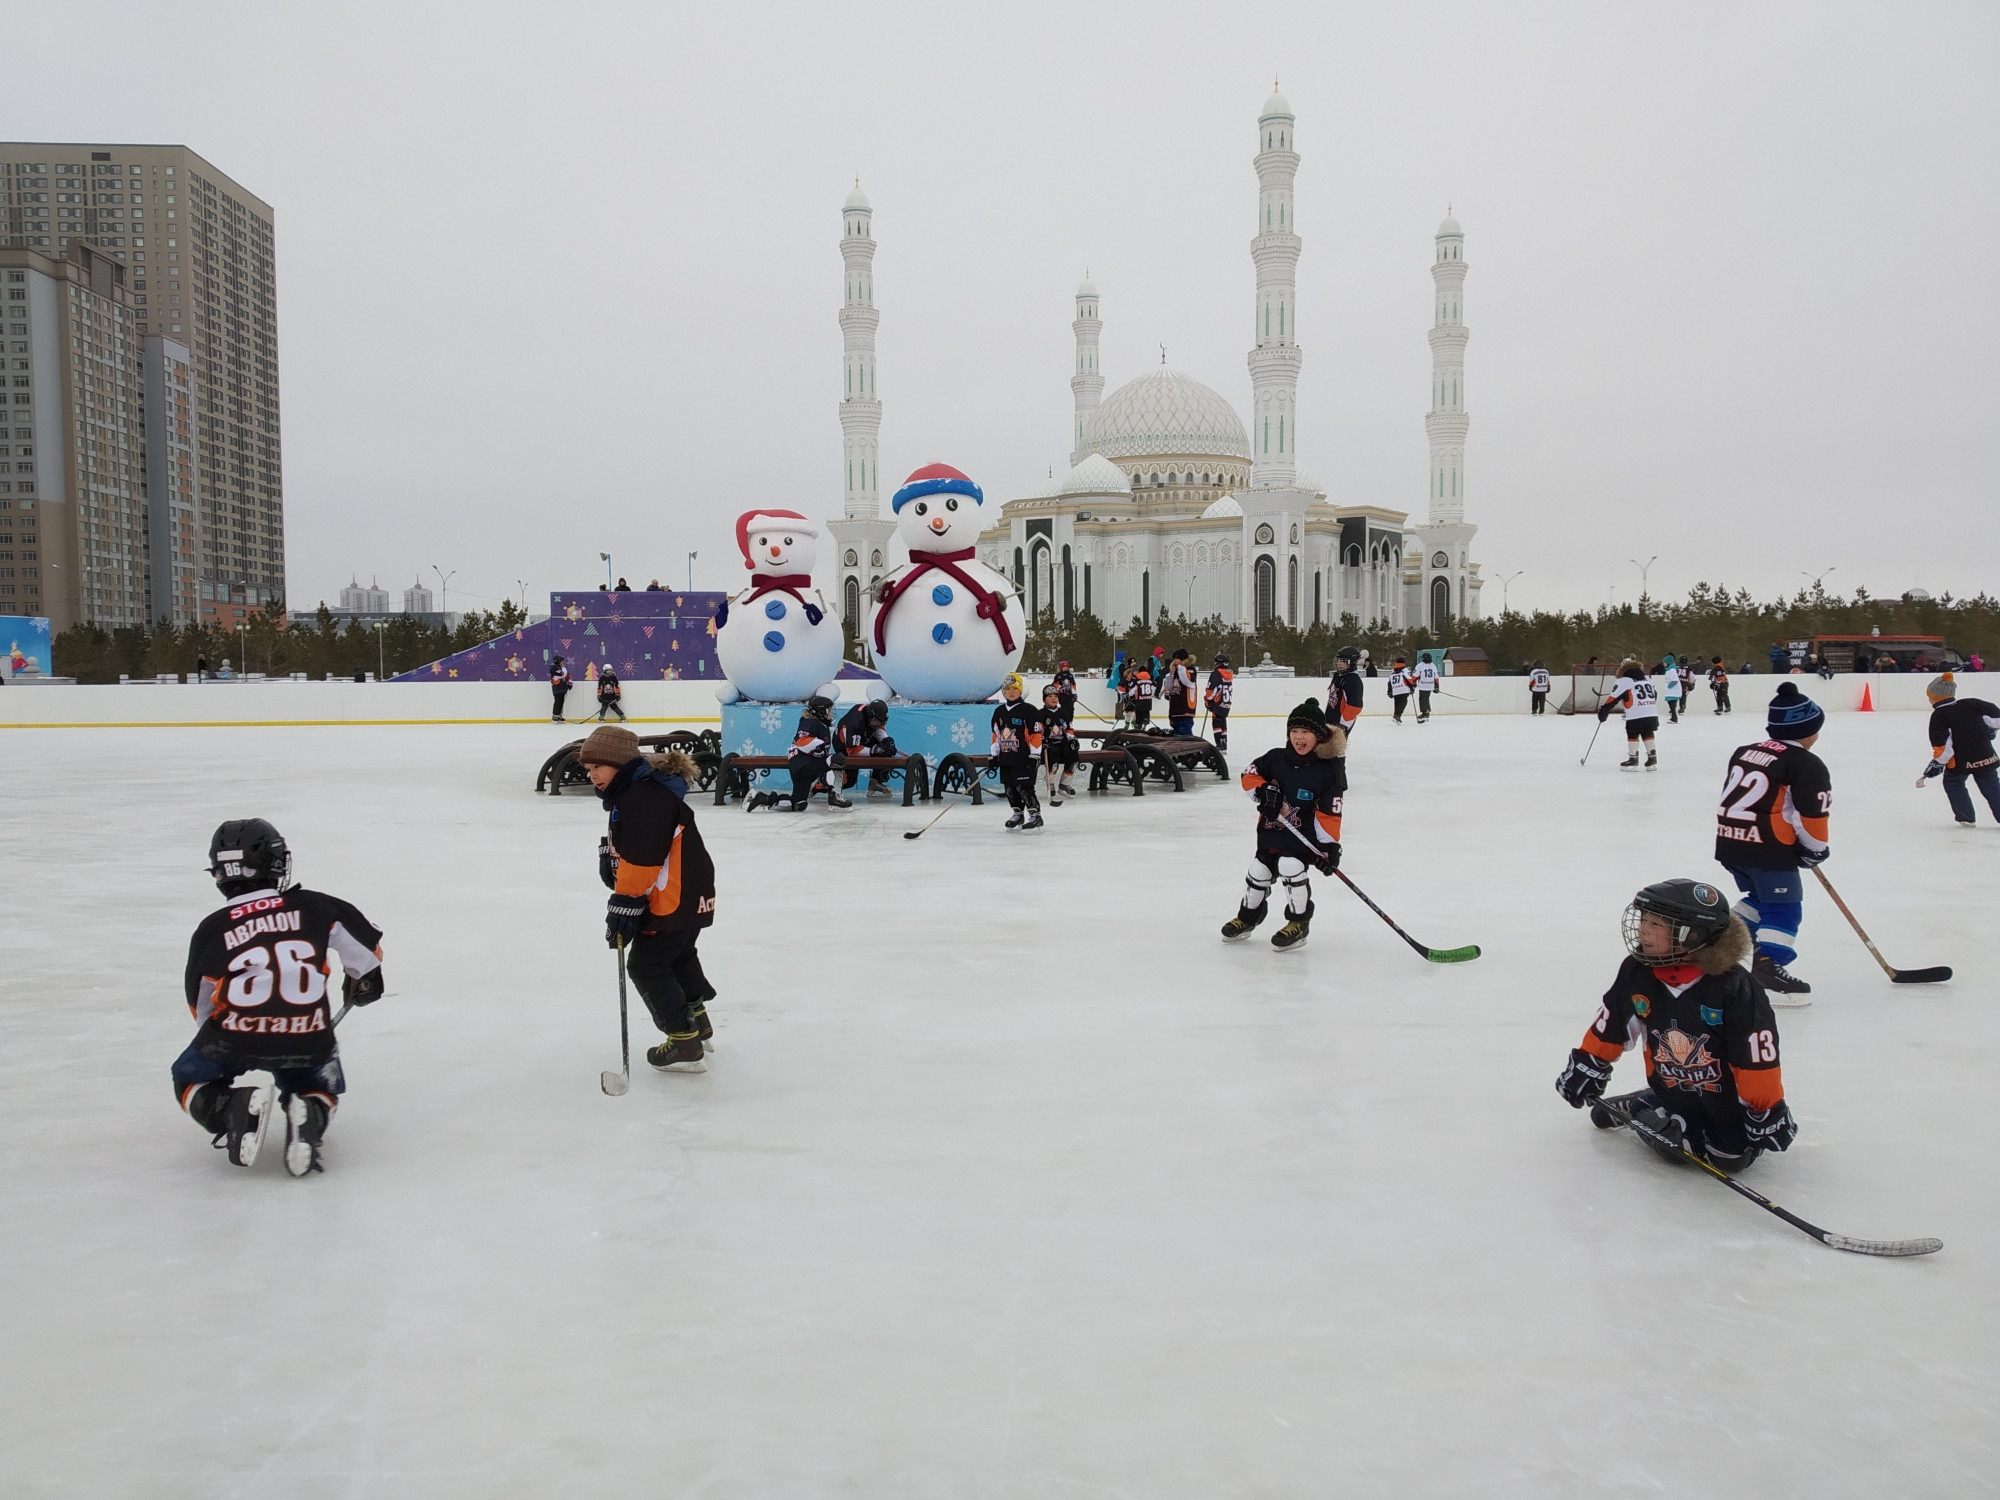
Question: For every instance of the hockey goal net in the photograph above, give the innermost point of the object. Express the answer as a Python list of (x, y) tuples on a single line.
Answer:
[(1589, 683)]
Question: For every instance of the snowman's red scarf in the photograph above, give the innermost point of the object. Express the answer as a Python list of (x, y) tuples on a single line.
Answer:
[(991, 605), (771, 583)]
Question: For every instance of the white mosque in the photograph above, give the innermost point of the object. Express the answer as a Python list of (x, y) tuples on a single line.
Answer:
[(1168, 502)]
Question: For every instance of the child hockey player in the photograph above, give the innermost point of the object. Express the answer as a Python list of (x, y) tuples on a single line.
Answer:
[(1718, 684), (662, 886), (862, 734), (1771, 827), (812, 744), (256, 984), (1961, 747), (1180, 693), (1343, 696), (1298, 789), (1143, 688), (1220, 695), (1017, 743), (1538, 688), (1703, 1026), (1425, 680), (1401, 683), (608, 695), (1633, 692), (559, 683), (1065, 685), (1059, 747)]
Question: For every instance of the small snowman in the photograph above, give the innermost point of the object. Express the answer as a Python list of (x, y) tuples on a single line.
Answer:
[(776, 642), (948, 628)]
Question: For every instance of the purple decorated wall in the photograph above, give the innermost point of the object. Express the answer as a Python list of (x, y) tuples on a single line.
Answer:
[(643, 636)]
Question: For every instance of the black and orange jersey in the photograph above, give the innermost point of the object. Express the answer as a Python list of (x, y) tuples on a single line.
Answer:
[(1058, 729), (608, 690), (1717, 678), (1142, 685), (1775, 802), (659, 850), (1017, 732), (813, 739), (1962, 734), (1064, 682), (257, 973), (1314, 789), (1709, 1040), (1220, 693), (1343, 699)]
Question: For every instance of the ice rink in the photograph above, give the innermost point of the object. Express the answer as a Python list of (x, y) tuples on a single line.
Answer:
[(1008, 1179)]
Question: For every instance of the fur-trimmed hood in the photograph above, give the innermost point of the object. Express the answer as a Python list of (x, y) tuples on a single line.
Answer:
[(1726, 952), (676, 763)]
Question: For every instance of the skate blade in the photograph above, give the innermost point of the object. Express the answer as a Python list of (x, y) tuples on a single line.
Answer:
[(1788, 1002), (614, 1084), (680, 1067)]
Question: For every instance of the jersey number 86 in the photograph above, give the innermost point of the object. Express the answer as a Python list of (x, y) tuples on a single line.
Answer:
[(297, 978)]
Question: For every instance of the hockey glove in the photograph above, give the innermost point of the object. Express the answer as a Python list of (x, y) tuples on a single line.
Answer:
[(362, 989), (722, 614), (607, 863), (1935, 768), (1811, 857), (1584, 1079), (1773, 1129), (623, 916), (1329, 858), (1270, 801), (1603, 712), (813, 614)]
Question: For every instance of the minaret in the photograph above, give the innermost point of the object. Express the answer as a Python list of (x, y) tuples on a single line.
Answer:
[(1087, 384), (860, 411), (1274, 362), (860, 533), (1447, 421)]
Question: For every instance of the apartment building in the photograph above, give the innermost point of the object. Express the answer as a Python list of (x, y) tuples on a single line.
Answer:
[(167, 422), (199, 258)]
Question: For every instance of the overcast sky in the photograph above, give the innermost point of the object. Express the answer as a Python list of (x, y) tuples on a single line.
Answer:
[(556, 280)]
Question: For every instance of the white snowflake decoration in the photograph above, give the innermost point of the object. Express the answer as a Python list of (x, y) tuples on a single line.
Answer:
[(962, 733), (771, 719)]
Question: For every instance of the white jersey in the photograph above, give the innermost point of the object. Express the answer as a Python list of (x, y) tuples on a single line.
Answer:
[(1399, 682), (1538, 680), (1639, 699), (1427, 677)]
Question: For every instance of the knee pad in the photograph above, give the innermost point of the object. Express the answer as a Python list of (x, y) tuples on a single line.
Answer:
[(1260, 875)]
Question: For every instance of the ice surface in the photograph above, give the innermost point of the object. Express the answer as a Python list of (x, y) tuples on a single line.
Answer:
[(1009, 1179)]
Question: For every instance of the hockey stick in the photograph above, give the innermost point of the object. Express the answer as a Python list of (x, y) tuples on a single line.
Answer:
[(341, 1015), (617, 1083), (1937, 975), (1593, 742), (1436, 955), (917, 833), (1895, 1248)]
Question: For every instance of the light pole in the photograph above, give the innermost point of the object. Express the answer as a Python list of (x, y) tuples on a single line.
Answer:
[(1816, 577), (1188, 613), (381, 661), (1644, 568), (691, 557), (1509, 578), (243, 650), (522, 585), (444, 588), (1612, 607), (607, 569)]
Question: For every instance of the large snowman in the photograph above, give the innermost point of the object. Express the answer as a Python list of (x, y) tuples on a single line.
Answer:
[(948, 628), (776, 642)]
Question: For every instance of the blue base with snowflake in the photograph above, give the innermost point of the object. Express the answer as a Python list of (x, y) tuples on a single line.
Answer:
[(932, 730)]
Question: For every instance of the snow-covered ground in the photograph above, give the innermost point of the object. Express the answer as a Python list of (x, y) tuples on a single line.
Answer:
[(1009, 1178)]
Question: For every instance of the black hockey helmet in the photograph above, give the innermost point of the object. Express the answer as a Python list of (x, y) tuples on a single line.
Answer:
[(1697, 912), (820, 706), (1348, 653), (248, 854), (1222, 658), (875, 712)]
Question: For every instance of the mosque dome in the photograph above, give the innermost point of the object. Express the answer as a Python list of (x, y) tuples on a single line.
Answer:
[(1449, 226), (1277, 107), (1048, 489), (1223, 509), (1096, 475), (1086, 288), (857, 200), (1165, 413), (1304, 479)]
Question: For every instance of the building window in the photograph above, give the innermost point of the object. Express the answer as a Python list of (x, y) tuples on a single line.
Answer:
[(851, 598), (1086, 588), (1265, 536), (1266, 591), (1440, 604), (1292, 591), (1020, 570), (1317, 586), (1068, 588)]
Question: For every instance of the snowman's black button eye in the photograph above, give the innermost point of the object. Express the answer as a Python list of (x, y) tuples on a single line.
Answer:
[(951, 505), (922, 509), (788, 541)]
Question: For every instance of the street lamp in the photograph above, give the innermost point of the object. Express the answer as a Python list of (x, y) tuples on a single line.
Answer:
[(444, 587), (381, 663), (1188, 613), (1507, 579), (1644, 568), (606, 556), (1816, 577), (243, 650), (522, 585), (691, 557)]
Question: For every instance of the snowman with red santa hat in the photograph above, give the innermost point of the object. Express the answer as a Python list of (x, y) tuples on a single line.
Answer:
[(948, 628), (777, 642)]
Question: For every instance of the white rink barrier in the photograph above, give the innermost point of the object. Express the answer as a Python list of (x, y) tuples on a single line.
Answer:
[(693, 705)]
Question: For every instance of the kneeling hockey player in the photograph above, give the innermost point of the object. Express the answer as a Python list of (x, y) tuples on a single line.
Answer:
[(863, 734), (1703, 1026), (662, 886), (256, 983), (807, 763), (1059, 746), (1771, 827), (1298, 790), (1017, 745)]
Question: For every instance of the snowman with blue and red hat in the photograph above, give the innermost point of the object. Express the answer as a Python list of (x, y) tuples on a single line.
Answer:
[(948, 628), (776, 641)]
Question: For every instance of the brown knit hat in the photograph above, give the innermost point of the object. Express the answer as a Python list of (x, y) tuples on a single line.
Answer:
[(610, 745)]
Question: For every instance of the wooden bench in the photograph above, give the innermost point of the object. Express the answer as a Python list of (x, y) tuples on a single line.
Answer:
[(732, 777), (563, 771), (961, 773), (1186, 752)]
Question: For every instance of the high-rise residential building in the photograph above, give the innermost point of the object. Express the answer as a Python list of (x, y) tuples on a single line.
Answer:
[(372, 600), (73, 542), (416, 599), (167, 416), (198, 255)]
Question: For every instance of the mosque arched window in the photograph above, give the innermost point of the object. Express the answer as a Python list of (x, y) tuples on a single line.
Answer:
[(850, 593), (1292, 591), (1020, 570), (1265, 591), (1317, 595), (852, 557), (1265, 536)]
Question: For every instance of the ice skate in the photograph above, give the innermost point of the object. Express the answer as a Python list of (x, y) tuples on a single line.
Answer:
[(1659, 1130), (1245, 922), (1779, 980), (1018, 819), (305, 1128), (757, 801), (1292, 936), (678, 1054), (1630, 762), (253, 1099), (1652, 761), (1034, 818), (1605, 1117), (1068, 788), (878, 789), (834, 799), (703, 1027)]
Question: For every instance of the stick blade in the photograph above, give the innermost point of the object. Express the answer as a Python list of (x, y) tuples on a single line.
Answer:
[(614, 1084), (1921, 976), (1925, 1246), (1463, 955), (915, 833)]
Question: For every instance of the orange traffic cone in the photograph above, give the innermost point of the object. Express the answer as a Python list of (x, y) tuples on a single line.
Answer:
[(1867, 703)]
